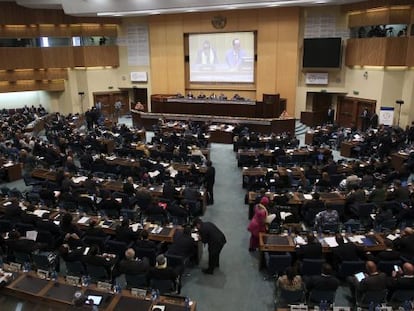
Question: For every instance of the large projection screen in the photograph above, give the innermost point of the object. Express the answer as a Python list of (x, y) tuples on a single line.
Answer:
[(222, 57)]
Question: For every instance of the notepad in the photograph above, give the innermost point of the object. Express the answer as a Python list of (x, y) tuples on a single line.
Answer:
[(331, 241), (83, 220), (135, 227), (307, 196)]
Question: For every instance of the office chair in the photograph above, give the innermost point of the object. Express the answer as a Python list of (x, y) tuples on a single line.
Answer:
[(277, 263), (284, 297), (400, 296), (312, 266), (387, 266), (149, 253), (376, 297), (97, 273), (349, 268), (116, 247), (318, 295), (75, 268), (164, 286), (136, 280)]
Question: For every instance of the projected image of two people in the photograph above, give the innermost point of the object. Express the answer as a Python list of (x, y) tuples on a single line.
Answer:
[(222, 57), (234, 57)]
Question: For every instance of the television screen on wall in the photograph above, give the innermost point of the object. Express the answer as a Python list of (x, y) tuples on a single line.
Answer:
[(322, 53), (222, 57)]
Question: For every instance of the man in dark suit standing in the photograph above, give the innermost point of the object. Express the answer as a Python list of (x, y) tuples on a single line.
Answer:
[(331, 115), (209, 178), (215, 239)]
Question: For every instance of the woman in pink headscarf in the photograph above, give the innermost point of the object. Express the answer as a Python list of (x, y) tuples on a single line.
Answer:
[(258, 223)]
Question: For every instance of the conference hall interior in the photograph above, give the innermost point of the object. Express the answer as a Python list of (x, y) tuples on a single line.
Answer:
[(215, 155)]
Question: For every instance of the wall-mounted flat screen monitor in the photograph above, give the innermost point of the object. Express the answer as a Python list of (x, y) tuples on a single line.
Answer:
[(222, 57), (322, 53)]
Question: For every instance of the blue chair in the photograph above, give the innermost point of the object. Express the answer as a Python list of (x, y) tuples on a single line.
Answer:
[(97, 273), (317, 295), (75, 268), (400, 296), (116, 247), (136, 280), (349, 268), (376, 297), (149, 253), (164, 286), (312, 266), (277, 263)]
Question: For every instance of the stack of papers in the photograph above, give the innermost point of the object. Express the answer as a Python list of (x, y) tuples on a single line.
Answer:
[(135, 227), (357, 239), (40, 212), (31, 235), (283, 215), (300, 241), (392, 237)]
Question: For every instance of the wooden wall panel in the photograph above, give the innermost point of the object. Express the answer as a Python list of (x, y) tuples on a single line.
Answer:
[(94, 56), (42, 74), (396, 51), (353, 52), (370, 4), (276, 65), (57, 57), (382, 16), (287, 55), (372, 51), (410, 52), (13, 14), (412, 15), (21, 86), (20, 58), (400, 15)]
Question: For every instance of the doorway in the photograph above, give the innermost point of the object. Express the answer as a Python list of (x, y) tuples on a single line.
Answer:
[(351, 111)]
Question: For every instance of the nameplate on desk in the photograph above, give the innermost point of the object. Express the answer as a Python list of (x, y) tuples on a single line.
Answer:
[(43, 274), (73, 280), (139, 292), (300, 307), (104, 286)]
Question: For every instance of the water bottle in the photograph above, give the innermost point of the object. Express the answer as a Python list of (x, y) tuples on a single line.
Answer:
[(349, 230), (378, 307), (53, 276), (154, 295), (85, 281), (26, 267), (117, 288), (187, 304), (323, 306)]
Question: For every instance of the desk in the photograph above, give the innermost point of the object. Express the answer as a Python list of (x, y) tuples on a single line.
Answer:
[(44, 174), (286, 243), (347, 147), (298, 198), (398, 159), (60, 294), (13, 170)]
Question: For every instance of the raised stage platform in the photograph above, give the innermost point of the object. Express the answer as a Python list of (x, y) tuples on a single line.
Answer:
[(261, 125)]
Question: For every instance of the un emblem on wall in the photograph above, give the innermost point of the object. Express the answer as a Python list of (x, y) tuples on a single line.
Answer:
[(219, 22)]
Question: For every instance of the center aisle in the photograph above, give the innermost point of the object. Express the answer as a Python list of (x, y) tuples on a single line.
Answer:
[(237, 285)]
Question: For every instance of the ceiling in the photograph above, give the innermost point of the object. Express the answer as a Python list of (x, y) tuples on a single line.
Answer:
[(152, 7)]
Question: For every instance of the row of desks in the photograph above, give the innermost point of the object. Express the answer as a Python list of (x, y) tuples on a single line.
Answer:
[(60, 294)]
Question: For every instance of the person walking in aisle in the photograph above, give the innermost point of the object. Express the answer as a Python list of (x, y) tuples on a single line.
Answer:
[(209, 178), (215, 239)]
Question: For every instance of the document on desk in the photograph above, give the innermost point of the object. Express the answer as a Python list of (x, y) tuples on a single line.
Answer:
[(154, 174), (83, 220), (135, 227), (31, 235), (392, 237), (111, 158), (357, 239), (331, 241), (79, 179), (8, 164), (300, 240), (283, 215), (307, 196), (40, 212), (156, 230)]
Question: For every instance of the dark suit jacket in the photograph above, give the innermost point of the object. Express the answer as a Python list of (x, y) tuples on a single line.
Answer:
[(402, 282), (376, 282), (134, 266), (212, 236), (405, 245), (322, 282), (183, 245), (348, 251), (125, 234)]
